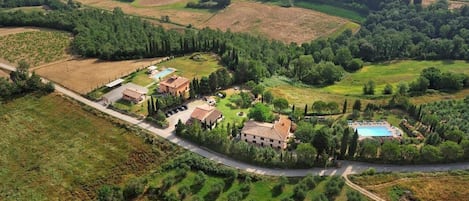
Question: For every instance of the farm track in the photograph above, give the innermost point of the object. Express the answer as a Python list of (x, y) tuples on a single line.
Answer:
[(347, 167)]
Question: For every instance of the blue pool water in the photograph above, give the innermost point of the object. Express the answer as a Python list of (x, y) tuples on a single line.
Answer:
[(373, 131), (163, 73)]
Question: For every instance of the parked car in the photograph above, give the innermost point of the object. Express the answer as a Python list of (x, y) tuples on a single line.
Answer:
[(184, 106), (167, 114), (175, 111)]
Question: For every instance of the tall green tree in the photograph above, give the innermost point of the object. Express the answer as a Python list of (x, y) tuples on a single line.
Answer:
[(353, 145), (344, 143)]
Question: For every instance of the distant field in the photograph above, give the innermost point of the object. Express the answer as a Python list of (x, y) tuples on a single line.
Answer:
[(275, 22), (53, 149), (392, 73), (424, 186), (284, 24), (452, 4), (191, 68), (85, 75), (176, 11), (332, 10), (24, 9), (36, 47)]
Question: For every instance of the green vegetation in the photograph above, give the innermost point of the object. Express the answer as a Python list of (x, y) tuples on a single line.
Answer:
[(391, 73), (37, 47), (416, 186), (196, 65), (53, 148), (191, 177), (230, 112), (332, 10), (140, 78)]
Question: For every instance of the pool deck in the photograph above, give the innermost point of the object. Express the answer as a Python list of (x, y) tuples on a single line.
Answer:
[(396, 132)]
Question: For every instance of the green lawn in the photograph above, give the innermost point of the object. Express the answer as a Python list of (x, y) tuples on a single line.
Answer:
[(141, 78), (392, 73), (301, 94), (260, 190), (52, 148), (332, 10), (230, 115), (190, 68)]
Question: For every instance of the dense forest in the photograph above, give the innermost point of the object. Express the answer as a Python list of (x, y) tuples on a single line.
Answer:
[(396, 30), (52, 4)]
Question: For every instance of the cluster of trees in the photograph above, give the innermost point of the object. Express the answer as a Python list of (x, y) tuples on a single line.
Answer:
[(433, 78), (447, 116), (220, 79), (155, 108), (209, 4), (220, 140), (22, 82), (395, 152), (52, 4), (361, 6), (415, 32)]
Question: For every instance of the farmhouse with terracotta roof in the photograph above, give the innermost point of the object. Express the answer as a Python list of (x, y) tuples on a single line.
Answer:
[(175, 85), (206, 114), (275, 134)]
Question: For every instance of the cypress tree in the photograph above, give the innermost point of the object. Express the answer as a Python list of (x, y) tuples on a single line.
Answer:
[(353, 145), (149, 108), (344, 143), (344, 108), (306, 109)]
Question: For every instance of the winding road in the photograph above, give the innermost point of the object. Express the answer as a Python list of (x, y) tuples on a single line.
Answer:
[(347, 167)]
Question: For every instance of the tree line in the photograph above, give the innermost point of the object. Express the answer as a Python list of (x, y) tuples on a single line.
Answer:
[(435, 32), (51, 4)]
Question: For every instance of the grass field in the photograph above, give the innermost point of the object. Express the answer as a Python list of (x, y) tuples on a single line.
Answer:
[(392, 73), (191, 68), (36, 47), (450, 186), (260, 190), (27, 9), (332, 10), (301, 94), (52, 148), (85, 75)]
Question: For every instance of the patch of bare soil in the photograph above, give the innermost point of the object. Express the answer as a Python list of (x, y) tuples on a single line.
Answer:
[(284, 24), (85, 75)]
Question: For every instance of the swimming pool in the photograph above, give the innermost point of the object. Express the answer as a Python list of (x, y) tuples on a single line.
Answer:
[(163, 73), (373, 131)]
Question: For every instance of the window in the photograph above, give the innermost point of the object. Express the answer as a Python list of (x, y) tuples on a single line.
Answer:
[(271, 140), (279, 142), (246, 140), (244, 135), (254, 137), (262, 144), (254, 142), (270, 145), (262, 138), (278, 147)]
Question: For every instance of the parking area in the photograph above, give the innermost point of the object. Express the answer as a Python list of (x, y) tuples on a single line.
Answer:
[(185, 114)]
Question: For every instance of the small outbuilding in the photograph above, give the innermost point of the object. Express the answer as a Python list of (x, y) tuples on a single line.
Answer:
[(133, 95)]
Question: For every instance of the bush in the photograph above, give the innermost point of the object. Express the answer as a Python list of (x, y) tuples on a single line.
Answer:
[(134, 188), (369, 171), (110, 193), (183, 192), (235, 196)]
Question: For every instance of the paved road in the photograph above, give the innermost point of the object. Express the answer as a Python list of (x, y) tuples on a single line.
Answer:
[(347, 167)]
